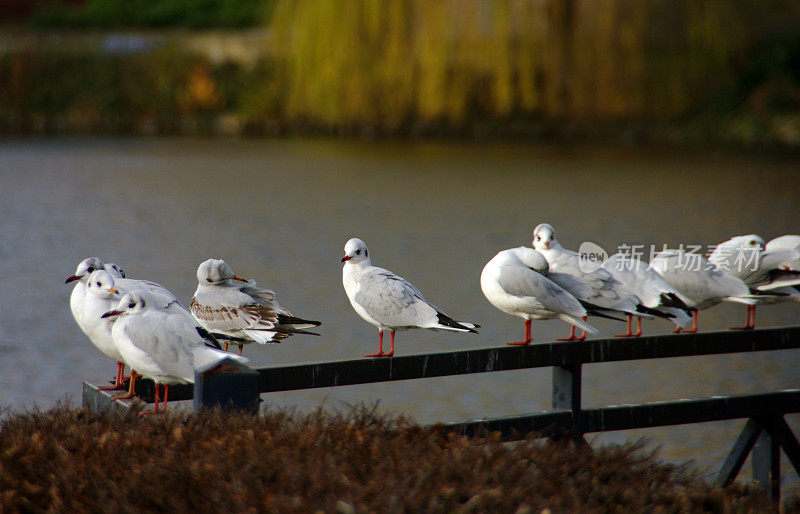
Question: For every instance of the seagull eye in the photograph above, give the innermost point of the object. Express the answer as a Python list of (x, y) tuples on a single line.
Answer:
[(98, 284), (358, 252)]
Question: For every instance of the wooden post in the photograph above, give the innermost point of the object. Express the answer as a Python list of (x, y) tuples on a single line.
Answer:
[(229, 385), (567, 396), (767, 460)]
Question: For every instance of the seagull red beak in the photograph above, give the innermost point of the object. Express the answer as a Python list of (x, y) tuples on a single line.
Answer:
[(111, 313), (237, 277), (72, 278), (346, 258), (546, 244), (113, 290)]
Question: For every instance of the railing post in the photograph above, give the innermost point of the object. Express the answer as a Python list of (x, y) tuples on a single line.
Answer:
[(567, 395), (229, 385), (766, 459)]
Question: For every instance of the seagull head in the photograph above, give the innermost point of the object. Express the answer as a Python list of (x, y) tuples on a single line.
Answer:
[(544, 237), (355, 251), (101, 284), (216, 272), (85, 268), (751, 242), (130, 303)]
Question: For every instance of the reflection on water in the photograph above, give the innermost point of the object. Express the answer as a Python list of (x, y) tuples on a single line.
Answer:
[(281, 211)]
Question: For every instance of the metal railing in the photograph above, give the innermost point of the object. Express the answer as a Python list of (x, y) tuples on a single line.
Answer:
[(764, 433)]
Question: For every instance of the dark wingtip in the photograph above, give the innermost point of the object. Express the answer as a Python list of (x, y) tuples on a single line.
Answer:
[(653, 312), (447, 321), (594, 310), (210, 339)]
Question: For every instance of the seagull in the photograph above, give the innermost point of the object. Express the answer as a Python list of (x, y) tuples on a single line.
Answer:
[(652, 290), (161, 345), (100, 297), (698, 283), (160, 297), (513, 283), (607, 293), (78, 298), (763, 269), (233, 308), (389, 301)]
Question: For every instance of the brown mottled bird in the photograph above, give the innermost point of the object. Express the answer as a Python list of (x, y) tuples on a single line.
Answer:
[(235, 310)]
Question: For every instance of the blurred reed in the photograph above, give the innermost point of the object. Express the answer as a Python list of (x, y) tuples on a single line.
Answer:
[(393, 64)]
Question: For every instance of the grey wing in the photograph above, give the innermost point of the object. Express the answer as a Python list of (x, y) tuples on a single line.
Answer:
[(573, 285), (167, 342), (607, 291), (393, 301), (523, 282), (261, 295), (643, 281), (594, 276)]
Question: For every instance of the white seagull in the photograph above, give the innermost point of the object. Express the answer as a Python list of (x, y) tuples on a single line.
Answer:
[(699, 283), (161, 345), (389, 301), (101, 296), (764, 269), (77, 300), (608, 293), (234, 309), (512, 281)]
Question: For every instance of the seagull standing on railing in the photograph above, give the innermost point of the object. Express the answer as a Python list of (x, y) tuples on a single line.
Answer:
[(389, 301), (77, 300), (100, 297), (768, 270), (234, 309), (511, 282), (608, 293), (161, 345), (699, 283)]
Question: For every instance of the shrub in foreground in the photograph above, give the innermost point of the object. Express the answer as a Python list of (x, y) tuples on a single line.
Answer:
[(72, 460)]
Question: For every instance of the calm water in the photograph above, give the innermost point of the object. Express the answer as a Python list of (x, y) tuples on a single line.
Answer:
[(281, 211)]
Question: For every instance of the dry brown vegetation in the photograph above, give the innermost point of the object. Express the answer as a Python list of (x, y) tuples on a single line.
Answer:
[(72, 460)]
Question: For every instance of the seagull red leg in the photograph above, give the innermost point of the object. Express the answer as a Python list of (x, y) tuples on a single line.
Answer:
[(241, 347), (693, 330), (583, 333), (571, 334), (380, 346), (154, 410), (166, 392), (391, 349), (528, 338), (749, 319), (628, 333), (131, 385), (119, 382)]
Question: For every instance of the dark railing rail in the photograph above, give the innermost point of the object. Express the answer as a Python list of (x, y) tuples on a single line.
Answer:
[(765, 428)]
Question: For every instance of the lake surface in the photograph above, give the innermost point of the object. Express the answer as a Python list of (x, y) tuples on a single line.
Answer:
[(280, 211)]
